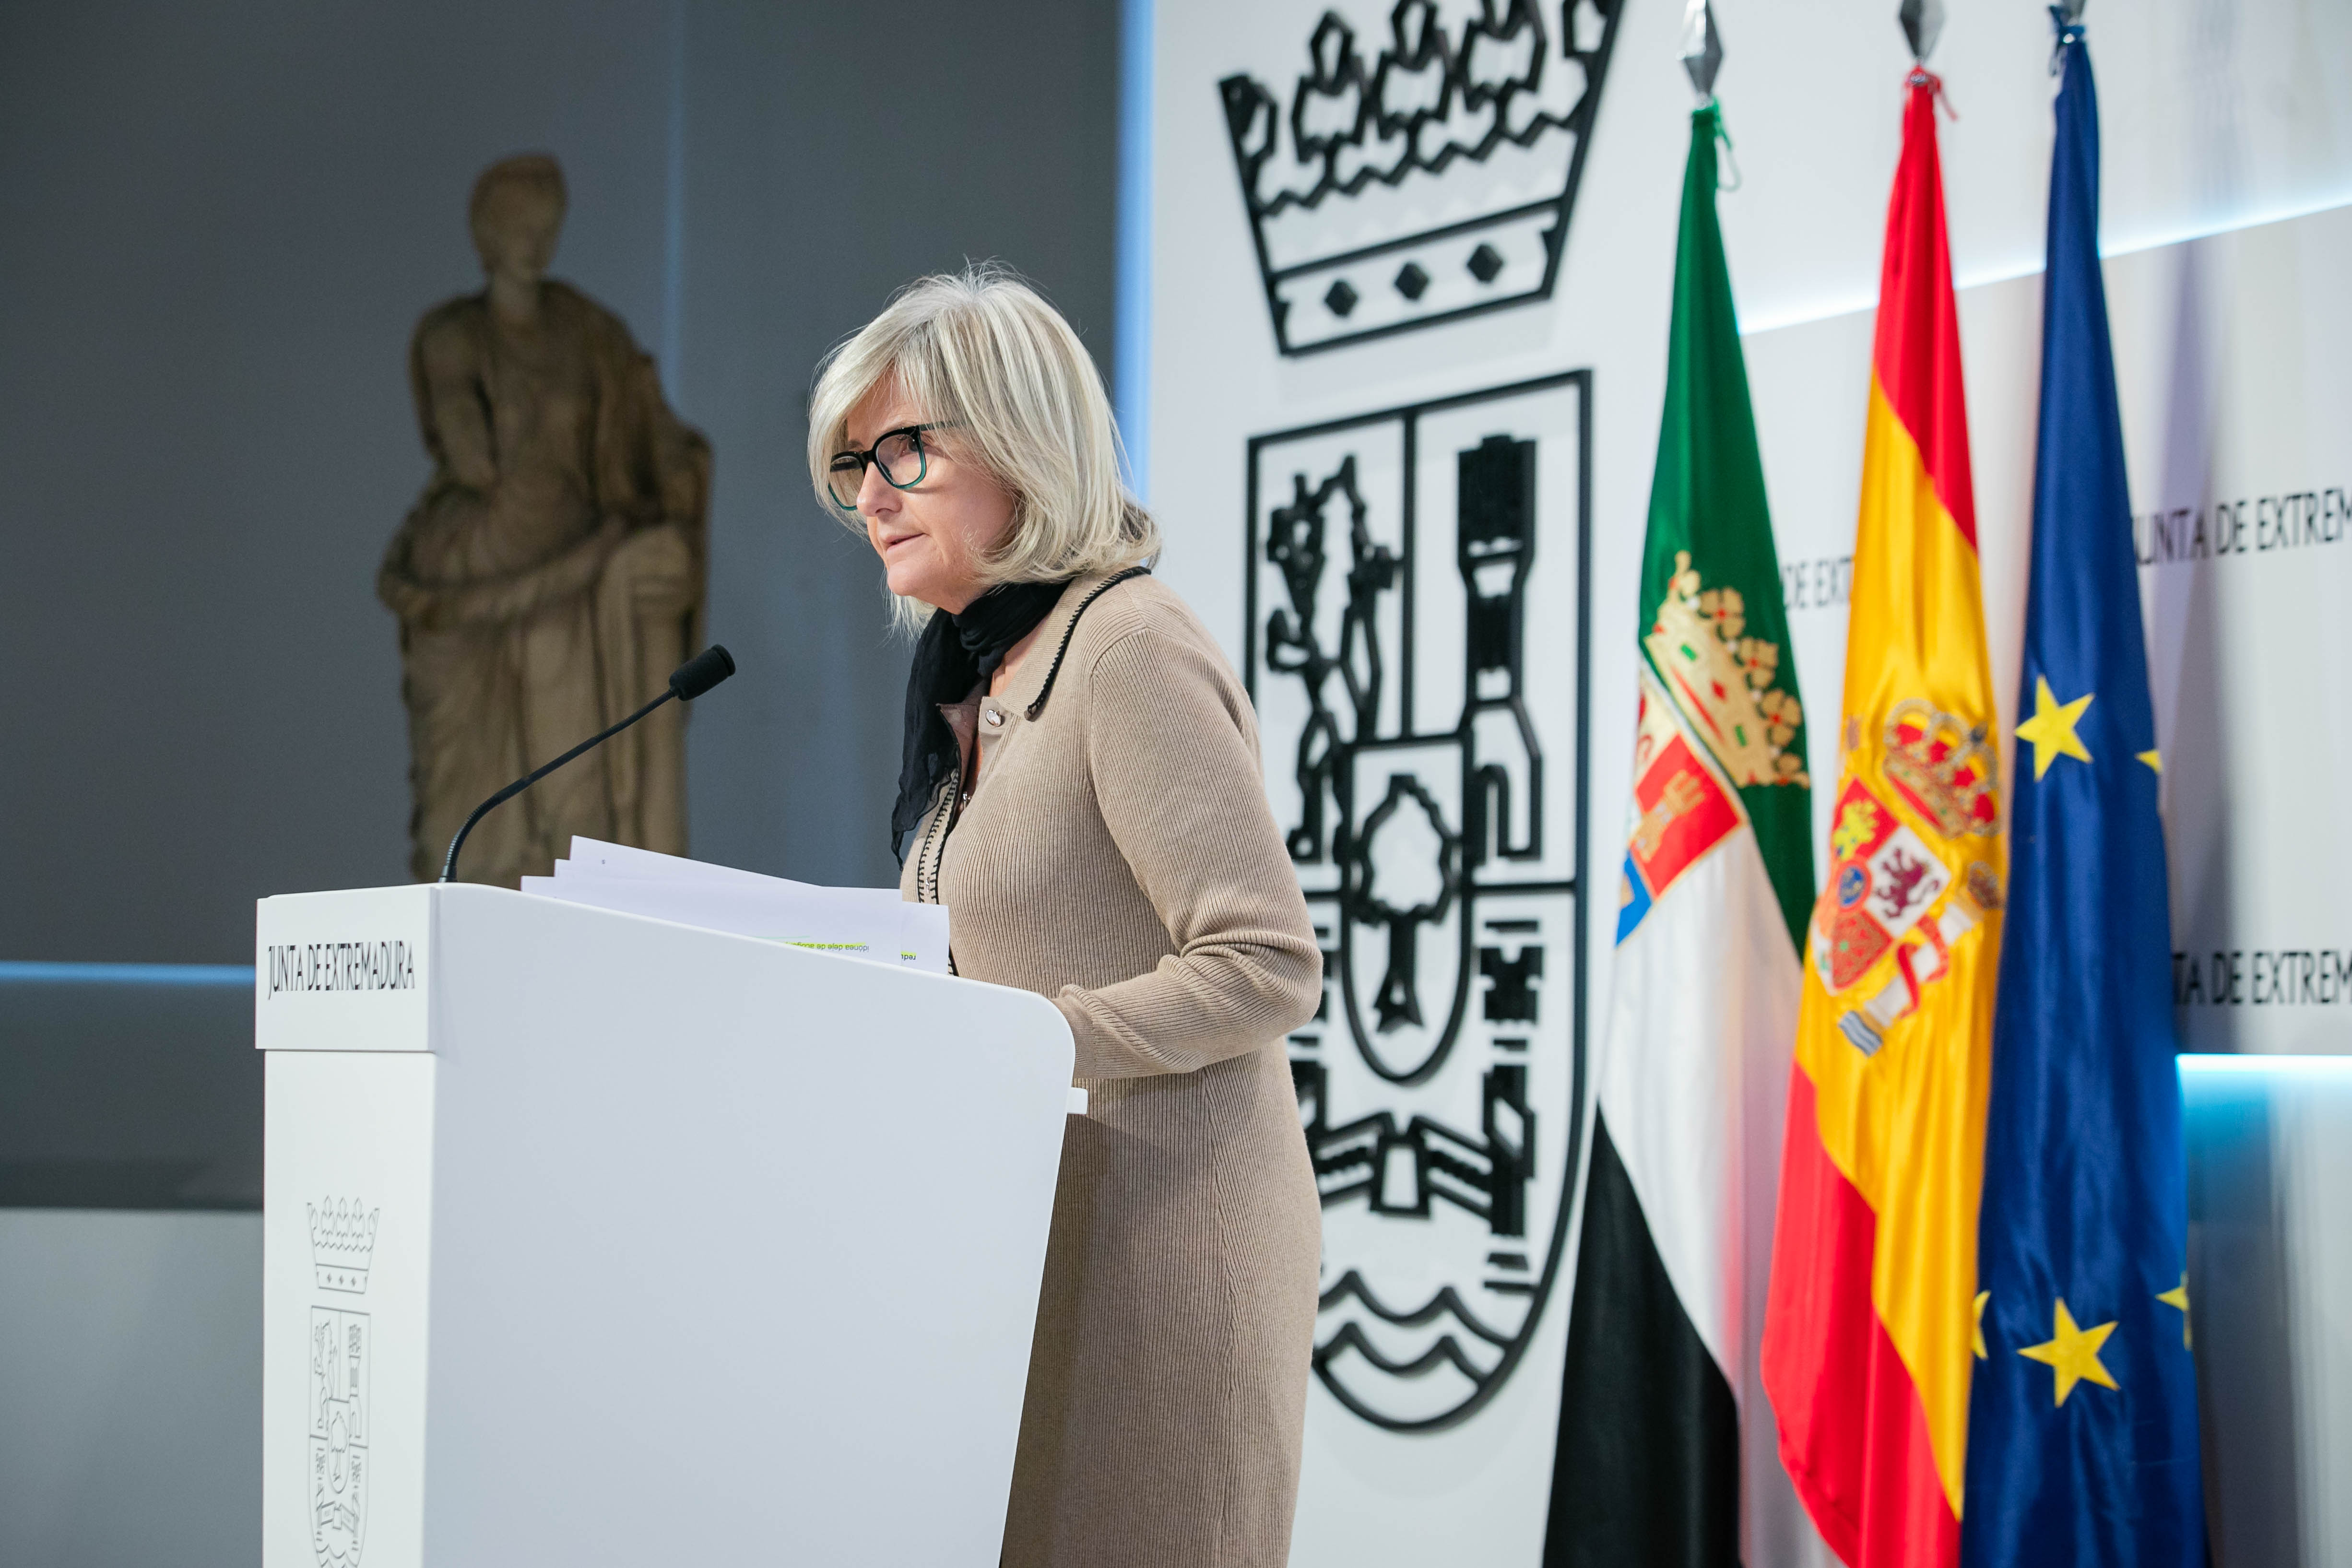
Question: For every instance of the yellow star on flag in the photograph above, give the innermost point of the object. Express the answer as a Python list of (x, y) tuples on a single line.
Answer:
[(2075, 1351), (2153, 757), (2179, 1297), (2051, 728), (1982, 1297)]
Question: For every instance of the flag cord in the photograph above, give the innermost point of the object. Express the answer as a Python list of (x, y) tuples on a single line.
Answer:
[(2068, 33), (1723, 134), (1922, 77)]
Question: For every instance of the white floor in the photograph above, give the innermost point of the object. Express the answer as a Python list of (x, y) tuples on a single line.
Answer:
[(130, 1389)]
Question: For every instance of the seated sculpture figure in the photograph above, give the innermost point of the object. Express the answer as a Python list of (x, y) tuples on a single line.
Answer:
[(551, 574)]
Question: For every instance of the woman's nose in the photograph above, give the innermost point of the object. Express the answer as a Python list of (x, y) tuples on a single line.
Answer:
[(874, 494)]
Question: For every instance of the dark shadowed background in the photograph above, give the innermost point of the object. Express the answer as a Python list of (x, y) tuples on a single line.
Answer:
[(217, 227)]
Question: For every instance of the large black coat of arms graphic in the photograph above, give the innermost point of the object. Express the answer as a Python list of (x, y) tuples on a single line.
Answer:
[(1416, 594)]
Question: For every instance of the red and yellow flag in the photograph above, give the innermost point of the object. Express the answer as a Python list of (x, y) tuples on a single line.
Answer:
[(1870, 1324)]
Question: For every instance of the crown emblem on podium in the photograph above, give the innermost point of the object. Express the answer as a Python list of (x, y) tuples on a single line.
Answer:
[(342, 1239), (1429, 182), (1943, 766), (1724, 681)]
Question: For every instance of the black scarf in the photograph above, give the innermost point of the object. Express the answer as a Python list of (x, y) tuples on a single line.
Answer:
[(955, 654)]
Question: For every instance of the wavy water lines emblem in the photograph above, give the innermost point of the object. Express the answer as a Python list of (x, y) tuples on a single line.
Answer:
[(1440, 1356)]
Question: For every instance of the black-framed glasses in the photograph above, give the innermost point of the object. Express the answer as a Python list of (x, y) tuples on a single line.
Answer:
[(899, 454)]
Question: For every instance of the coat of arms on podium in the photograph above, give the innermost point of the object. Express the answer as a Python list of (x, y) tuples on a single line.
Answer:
[(342, 1242), (1423, 164), (1416, 636)]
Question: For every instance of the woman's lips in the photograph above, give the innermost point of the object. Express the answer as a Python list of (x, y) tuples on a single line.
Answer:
[(889, 545)]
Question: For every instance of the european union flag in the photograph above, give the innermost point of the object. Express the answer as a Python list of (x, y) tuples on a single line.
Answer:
[(2083, 1413)]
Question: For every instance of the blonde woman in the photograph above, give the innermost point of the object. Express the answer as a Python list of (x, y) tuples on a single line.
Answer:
[(1080, 787)]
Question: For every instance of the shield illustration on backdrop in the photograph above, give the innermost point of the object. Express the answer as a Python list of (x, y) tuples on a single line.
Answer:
[(1415, 653)]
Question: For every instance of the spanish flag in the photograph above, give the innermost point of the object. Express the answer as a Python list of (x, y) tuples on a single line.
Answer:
[(1870, 1323)]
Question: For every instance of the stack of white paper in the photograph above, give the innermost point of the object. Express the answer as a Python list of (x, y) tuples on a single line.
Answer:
[(870, 923)]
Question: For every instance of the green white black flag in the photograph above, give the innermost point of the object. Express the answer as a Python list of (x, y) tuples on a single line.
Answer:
[(1666, 1450)]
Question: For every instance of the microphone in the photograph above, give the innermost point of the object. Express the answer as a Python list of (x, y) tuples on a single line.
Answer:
[(688, 682)]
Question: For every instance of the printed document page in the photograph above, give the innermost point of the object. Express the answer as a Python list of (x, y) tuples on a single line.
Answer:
[(870, 923)]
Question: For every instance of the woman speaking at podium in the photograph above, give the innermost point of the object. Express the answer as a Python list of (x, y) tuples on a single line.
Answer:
[(1080, 787)]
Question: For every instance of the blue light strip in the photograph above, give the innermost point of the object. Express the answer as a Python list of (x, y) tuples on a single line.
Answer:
[(1133, 342), (2252, 1065), (16, 972)]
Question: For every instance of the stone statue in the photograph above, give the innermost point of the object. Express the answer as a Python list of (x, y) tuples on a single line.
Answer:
[(551, 576)]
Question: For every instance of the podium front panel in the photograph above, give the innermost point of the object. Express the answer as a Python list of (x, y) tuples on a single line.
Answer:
[(347, 1210), (731, 1250)]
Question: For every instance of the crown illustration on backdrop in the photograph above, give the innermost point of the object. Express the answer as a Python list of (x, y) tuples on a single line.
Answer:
[(343, 1241), (1943, 766), (1430, 182)]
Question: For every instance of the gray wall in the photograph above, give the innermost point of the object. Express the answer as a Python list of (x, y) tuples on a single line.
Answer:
[(116, 1095), (835, 153), (217, 225)]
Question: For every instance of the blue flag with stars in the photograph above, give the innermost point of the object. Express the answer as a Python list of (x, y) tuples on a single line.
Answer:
[(2082, 1413)]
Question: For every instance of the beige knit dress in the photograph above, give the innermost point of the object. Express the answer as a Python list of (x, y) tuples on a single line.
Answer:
[(1117, 856)]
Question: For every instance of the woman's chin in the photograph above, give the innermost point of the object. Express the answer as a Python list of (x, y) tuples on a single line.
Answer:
[(908, 582)]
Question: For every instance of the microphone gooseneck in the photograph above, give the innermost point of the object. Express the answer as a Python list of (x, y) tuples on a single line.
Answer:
[(688, 682)]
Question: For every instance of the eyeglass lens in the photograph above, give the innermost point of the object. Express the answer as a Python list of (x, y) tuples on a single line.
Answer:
[(900, 454)]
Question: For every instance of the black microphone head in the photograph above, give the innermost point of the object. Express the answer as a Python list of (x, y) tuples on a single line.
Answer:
[(701, 673)]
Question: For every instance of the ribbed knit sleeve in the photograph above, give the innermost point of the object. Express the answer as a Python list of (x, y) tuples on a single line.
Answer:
[(1172, 746)]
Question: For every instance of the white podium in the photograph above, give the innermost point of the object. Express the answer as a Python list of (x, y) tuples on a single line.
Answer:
[(593, 1238)]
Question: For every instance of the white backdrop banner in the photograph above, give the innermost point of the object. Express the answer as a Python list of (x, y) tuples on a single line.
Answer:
[(2237, 393), (1410, 269)]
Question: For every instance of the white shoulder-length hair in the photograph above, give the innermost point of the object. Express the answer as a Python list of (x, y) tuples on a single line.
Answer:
[(978, 350)]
